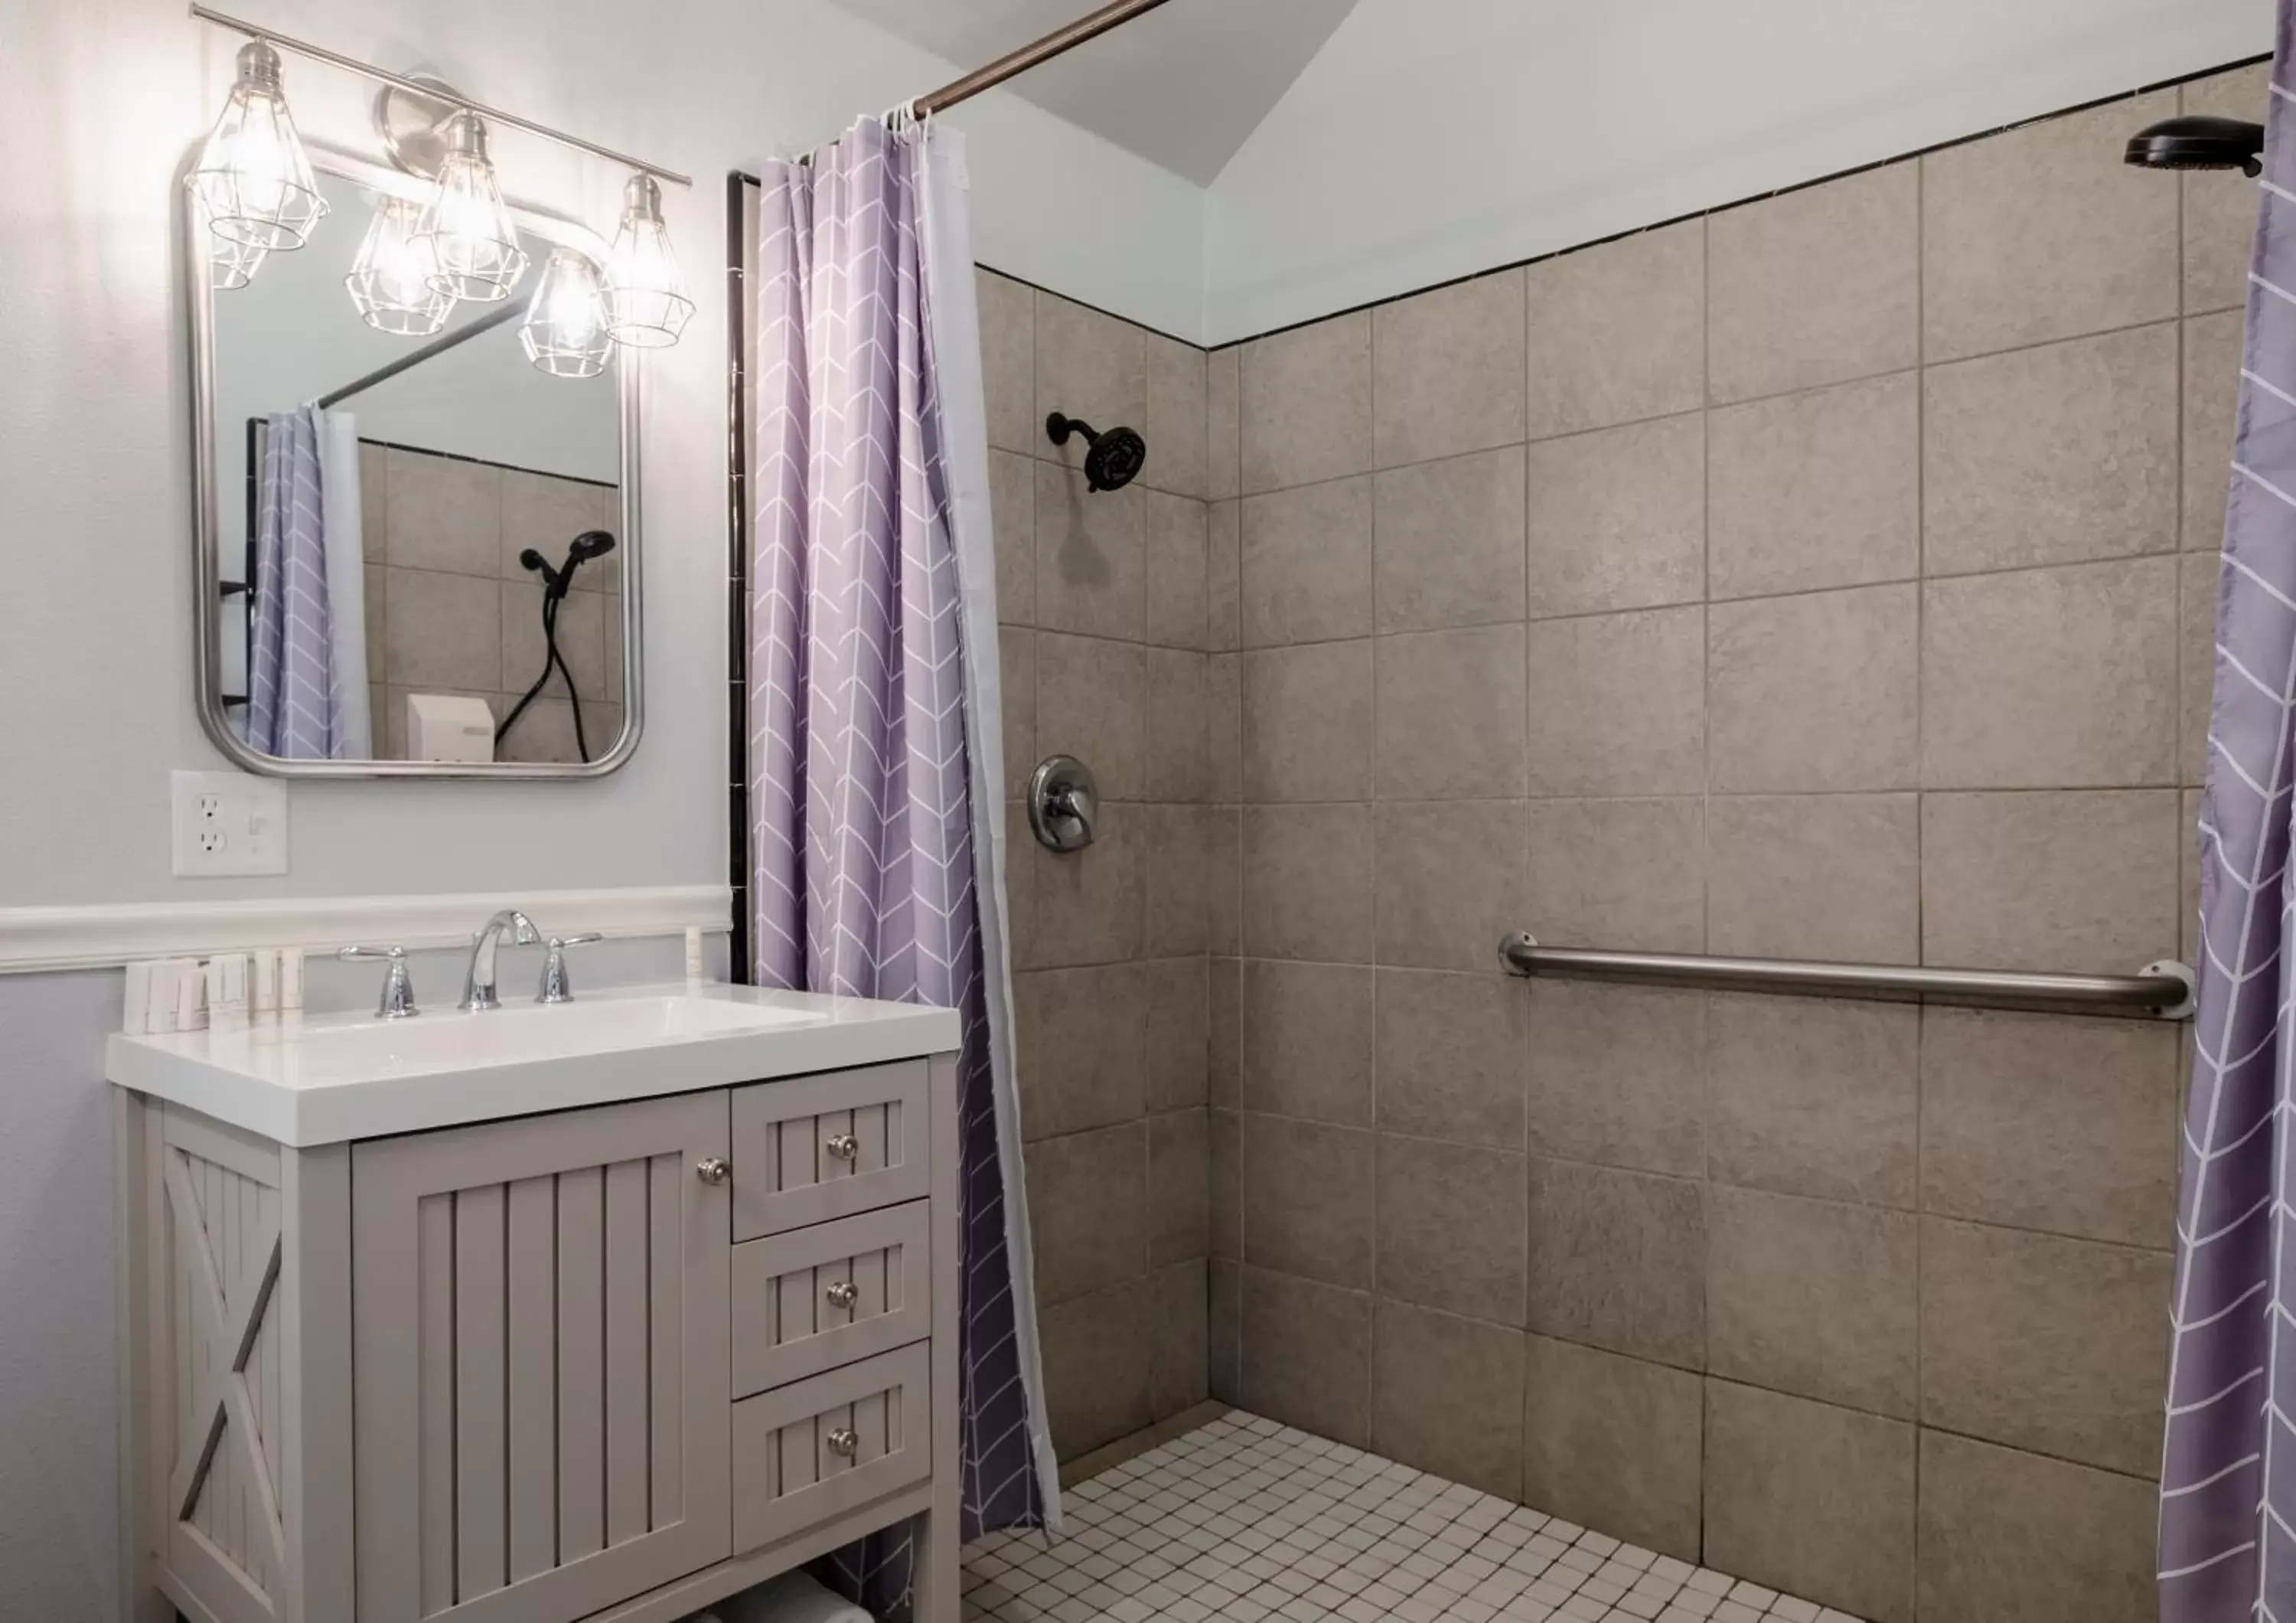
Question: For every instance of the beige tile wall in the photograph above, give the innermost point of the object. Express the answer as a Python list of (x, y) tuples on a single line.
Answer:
[(450, 609), (1830, 577), (1104, 636)]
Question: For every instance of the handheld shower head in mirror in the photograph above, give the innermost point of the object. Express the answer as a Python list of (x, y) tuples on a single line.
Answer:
[(558, 581), (1117, 455)]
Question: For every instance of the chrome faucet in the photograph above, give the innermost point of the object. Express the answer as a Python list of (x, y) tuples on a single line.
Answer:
[(479, 980)]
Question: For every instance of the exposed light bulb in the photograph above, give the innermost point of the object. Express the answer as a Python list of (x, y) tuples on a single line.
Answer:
[(646, 306), (392, 280), (564, 333), (231, 266), (466, 223), (253, 180)]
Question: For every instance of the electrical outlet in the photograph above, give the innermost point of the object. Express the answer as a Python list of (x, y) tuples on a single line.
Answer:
[(227, 824)]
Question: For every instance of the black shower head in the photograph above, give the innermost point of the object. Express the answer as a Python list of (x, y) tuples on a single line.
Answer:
[(2198, 142), (590, 544), (1117, 455)]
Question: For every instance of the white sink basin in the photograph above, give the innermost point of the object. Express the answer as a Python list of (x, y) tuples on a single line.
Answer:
[(340, 1077), (518, 1033)]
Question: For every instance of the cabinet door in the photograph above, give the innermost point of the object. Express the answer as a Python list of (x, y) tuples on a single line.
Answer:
[(540, 1377)]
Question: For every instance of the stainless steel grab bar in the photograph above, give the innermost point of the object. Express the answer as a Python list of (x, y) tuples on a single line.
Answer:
[(2162, 990)]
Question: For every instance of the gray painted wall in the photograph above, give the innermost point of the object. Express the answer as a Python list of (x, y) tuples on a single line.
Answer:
[(57, 1439)]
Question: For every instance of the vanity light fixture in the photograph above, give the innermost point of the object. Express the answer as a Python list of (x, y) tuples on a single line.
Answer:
[(257, 193), (564, 333), (466, 223), (253, 178), (646, 303), (393, 282)]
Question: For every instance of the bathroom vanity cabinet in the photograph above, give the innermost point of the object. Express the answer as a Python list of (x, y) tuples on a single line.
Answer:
[(611, 1362)]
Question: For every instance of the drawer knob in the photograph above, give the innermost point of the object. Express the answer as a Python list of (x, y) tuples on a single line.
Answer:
[(844, 1146), (714, 1171), (843, 1443), (842, 1296)]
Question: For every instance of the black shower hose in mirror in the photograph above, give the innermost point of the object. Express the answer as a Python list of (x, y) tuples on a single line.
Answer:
[(557, 583)]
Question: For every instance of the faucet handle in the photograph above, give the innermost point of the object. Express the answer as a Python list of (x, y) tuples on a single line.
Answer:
[(397, 999), (556, 988)]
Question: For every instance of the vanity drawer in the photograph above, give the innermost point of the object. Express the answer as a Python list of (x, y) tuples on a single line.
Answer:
[(788, 1323), (807, 1453), (815, 1149)]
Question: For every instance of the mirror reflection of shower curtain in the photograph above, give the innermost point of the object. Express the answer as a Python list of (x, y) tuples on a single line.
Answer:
[(306, 695), (340, 501)]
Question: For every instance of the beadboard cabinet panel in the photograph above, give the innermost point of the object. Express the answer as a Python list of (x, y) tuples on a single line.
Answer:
[(540, 1352)]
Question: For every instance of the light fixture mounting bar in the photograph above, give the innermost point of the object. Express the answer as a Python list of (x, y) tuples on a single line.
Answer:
[(492, 115)]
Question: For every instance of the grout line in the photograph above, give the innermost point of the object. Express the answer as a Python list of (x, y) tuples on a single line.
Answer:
[(1735, 601), (1920, 855), (1371, 1350)]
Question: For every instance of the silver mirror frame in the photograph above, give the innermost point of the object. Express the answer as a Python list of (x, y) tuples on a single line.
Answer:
[(207, 541)]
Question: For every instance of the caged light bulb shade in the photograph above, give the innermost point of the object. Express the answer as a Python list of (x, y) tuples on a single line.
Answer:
[(564, 333), (466, 223), (646, 306), (231, 266), (392, 280), (253, 180)]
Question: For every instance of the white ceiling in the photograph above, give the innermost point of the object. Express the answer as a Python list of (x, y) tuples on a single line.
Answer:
[(1182, 87)]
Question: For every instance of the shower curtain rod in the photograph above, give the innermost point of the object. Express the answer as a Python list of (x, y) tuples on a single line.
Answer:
[(1058, 43), (487, 323)]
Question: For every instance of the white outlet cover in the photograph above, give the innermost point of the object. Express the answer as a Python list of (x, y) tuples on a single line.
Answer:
[(224, 825)]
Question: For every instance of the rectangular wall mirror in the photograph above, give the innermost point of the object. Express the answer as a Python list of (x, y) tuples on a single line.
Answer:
[(418, 552)]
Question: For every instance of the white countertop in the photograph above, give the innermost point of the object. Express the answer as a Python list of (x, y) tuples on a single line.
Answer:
[(339, 1077)]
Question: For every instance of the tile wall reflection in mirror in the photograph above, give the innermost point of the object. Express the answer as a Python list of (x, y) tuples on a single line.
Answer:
[(431, 522)]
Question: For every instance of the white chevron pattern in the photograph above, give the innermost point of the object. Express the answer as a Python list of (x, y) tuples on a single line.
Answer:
[(294, 701), (861, 844), (2228, 1463)]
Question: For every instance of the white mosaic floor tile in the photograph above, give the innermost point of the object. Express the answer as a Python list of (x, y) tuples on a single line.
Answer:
[(1243, 1520)]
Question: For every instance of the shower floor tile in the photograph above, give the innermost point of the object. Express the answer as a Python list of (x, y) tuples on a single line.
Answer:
[(1242, 1518)]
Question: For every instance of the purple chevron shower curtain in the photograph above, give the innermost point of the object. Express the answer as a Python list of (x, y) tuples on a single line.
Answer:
[(294, 695), (2228, 1462), (869, 750)]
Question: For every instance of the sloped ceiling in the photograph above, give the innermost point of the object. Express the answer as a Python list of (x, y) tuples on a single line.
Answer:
[(1182, 87)]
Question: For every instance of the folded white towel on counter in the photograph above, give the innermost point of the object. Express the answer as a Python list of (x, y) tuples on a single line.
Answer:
[(793, 1597)]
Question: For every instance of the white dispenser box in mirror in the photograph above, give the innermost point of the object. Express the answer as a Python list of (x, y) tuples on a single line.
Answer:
[(447, 727), (619, 1307)]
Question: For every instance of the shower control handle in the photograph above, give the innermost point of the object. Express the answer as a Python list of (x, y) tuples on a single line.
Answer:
[(1064, 804)]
